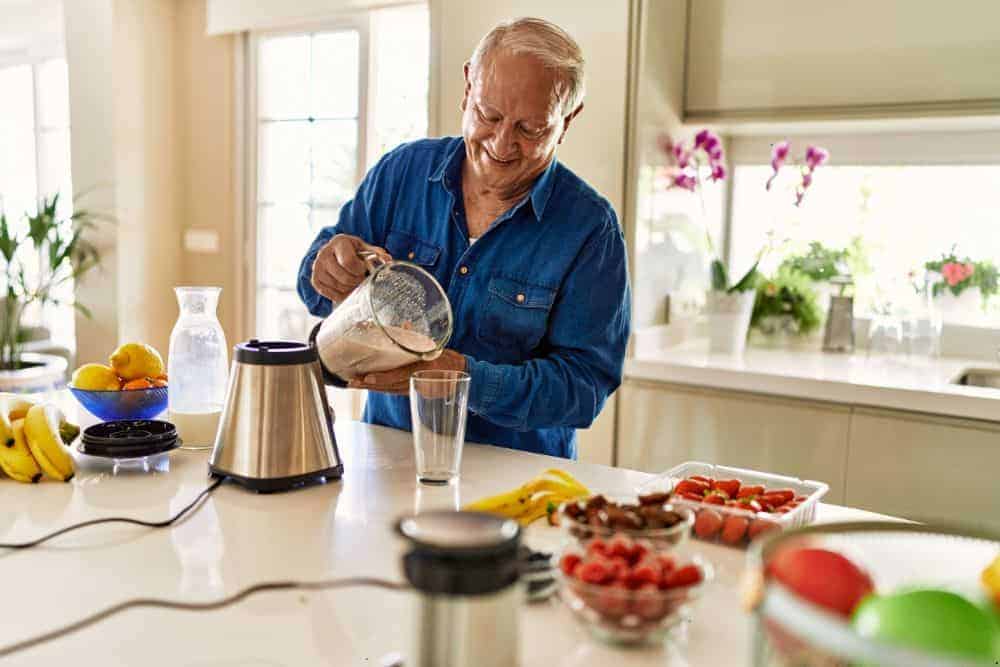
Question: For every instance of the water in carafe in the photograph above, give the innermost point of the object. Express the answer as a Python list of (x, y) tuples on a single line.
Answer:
[(198, 367)]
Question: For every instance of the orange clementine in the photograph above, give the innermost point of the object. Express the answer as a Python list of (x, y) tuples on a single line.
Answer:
[(141, 383), (157, 382)]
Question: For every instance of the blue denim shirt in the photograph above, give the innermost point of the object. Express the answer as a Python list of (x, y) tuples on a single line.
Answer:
[(541, 309)]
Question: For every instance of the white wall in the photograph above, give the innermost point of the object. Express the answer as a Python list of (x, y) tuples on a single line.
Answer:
[(120, 55)]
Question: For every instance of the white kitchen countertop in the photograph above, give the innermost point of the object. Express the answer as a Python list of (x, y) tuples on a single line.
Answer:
[(815, 375), (341, 529)]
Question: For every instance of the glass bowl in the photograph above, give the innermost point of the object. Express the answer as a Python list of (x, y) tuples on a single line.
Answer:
[(789, 630), (655, 539), (125, 404), (626, 616)]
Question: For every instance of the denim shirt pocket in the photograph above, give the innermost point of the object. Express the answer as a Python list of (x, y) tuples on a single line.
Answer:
[(409, 248), (516, 314)]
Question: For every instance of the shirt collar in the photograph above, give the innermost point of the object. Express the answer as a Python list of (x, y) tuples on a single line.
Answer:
[(449, 173)]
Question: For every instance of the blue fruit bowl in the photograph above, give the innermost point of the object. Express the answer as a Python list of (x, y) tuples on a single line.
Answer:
[(126, 404)]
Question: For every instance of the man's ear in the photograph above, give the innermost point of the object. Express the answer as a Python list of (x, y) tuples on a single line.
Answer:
[(466, 68), (569, 119)]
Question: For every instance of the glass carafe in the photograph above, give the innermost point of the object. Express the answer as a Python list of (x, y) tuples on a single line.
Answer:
[(198, 366)]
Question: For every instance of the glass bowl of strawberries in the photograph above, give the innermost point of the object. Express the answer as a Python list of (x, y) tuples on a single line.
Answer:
[(624, 592)]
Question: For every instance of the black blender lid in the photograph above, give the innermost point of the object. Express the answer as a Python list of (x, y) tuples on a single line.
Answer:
[(129, 438), (273, 352)]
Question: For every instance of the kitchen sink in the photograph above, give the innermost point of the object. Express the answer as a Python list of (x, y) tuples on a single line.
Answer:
[(979, 377)]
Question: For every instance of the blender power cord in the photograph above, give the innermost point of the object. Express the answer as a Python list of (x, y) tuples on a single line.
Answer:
[(116, 519), (156, 603)]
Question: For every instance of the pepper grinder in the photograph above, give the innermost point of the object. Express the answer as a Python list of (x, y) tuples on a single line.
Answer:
[(838, 335), (464, 567)]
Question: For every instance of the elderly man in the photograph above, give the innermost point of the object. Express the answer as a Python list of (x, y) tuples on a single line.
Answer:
[(532, 258)]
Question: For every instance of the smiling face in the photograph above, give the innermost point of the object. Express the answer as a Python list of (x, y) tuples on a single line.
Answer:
[(512, 122)]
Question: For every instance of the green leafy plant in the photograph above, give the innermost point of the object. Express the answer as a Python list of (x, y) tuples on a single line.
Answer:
[(819, 263), (64, 255), (789, 292)]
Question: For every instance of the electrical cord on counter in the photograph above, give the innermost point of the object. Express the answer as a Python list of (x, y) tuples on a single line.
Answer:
[(137, 522), (156, 603)]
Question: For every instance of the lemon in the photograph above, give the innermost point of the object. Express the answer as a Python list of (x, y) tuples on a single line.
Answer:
[(95, 377), (136, 360)]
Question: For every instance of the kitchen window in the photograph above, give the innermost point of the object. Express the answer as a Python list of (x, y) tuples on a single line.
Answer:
[(898, 201), (35, 162), (324, 104)]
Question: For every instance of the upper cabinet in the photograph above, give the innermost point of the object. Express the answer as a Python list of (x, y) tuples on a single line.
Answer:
[(846, 58)]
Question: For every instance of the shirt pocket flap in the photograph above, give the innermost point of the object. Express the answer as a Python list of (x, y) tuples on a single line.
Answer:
[(522, 294), (409, 248)]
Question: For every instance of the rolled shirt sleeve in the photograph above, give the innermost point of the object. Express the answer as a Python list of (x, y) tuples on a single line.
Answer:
[(588, 334)]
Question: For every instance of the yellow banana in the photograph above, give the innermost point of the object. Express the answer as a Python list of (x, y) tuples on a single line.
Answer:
[(529, 501), (15, 457), (41, 427), (18, 408)]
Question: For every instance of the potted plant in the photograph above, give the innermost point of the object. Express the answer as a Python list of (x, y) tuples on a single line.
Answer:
[(785, 307), (63, 255), (729, 304), (821, 263), (960, 286)]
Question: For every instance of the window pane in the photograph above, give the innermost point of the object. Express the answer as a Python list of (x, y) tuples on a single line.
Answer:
[(283, 236), (53, 94), (335, 74), (402, 43), (54, 167), (334, 160), (283, 77), (281, 315), (17, 141), (902, 216), (283, 158)]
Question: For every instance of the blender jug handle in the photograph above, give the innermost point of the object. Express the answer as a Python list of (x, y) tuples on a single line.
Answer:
[(372, 259)]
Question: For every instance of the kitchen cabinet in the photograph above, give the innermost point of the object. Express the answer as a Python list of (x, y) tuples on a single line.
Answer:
[(855, 58), (924, 467), (662, 424)]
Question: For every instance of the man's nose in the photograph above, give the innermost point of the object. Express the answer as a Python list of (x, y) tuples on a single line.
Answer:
[(504, 146)]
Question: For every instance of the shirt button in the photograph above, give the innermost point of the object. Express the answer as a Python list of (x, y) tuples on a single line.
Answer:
[(463, 270), (520, 298), (411, 255)]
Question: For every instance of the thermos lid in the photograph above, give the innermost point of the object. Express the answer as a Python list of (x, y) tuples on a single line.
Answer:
[(460, 553), (273, 353)]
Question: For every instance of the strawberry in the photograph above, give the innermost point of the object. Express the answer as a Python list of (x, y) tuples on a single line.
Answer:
[(597, 547), (593, 572), (620, 546), (730, 487), (684, 576), (568, 563)]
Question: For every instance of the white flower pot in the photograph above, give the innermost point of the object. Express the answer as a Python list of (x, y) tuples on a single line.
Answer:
[(966, 308), (41, 372), (728, 321)]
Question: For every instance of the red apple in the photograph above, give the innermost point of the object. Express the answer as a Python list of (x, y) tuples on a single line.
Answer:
[(823, 577)]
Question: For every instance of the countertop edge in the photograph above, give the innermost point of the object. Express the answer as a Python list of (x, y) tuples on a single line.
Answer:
[(957, 401)]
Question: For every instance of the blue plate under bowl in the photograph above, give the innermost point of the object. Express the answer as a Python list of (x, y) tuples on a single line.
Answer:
[(128, 404)]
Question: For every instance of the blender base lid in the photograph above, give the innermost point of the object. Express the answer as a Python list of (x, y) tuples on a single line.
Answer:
[(278, 484)]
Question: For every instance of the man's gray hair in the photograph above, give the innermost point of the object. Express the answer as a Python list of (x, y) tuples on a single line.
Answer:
[(546, 41)]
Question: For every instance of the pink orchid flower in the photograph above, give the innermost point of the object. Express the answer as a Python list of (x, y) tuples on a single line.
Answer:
[(815, 156), (718, 172), (682, 156), (779, 153), (685, 181)]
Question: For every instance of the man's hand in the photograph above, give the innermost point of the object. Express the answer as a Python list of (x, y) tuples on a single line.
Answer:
[(398, 381), (337, 269)]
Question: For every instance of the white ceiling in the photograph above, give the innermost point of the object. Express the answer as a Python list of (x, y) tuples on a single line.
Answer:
[(30, 30)]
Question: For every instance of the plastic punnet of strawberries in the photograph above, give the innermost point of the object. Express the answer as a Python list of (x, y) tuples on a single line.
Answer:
[(733, 512), (622, 584)]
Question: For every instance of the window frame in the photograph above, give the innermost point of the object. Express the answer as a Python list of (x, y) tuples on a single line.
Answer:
[(867, 146), (248, 122)]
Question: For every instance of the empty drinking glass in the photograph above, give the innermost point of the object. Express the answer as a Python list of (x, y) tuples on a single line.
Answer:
[(438, 402)]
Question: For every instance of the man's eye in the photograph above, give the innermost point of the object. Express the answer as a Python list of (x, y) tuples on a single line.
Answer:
[(491, 118), (533, 132)]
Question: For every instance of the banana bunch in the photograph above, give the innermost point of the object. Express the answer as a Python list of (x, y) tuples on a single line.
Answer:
[(31, 440), (531, 500)]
